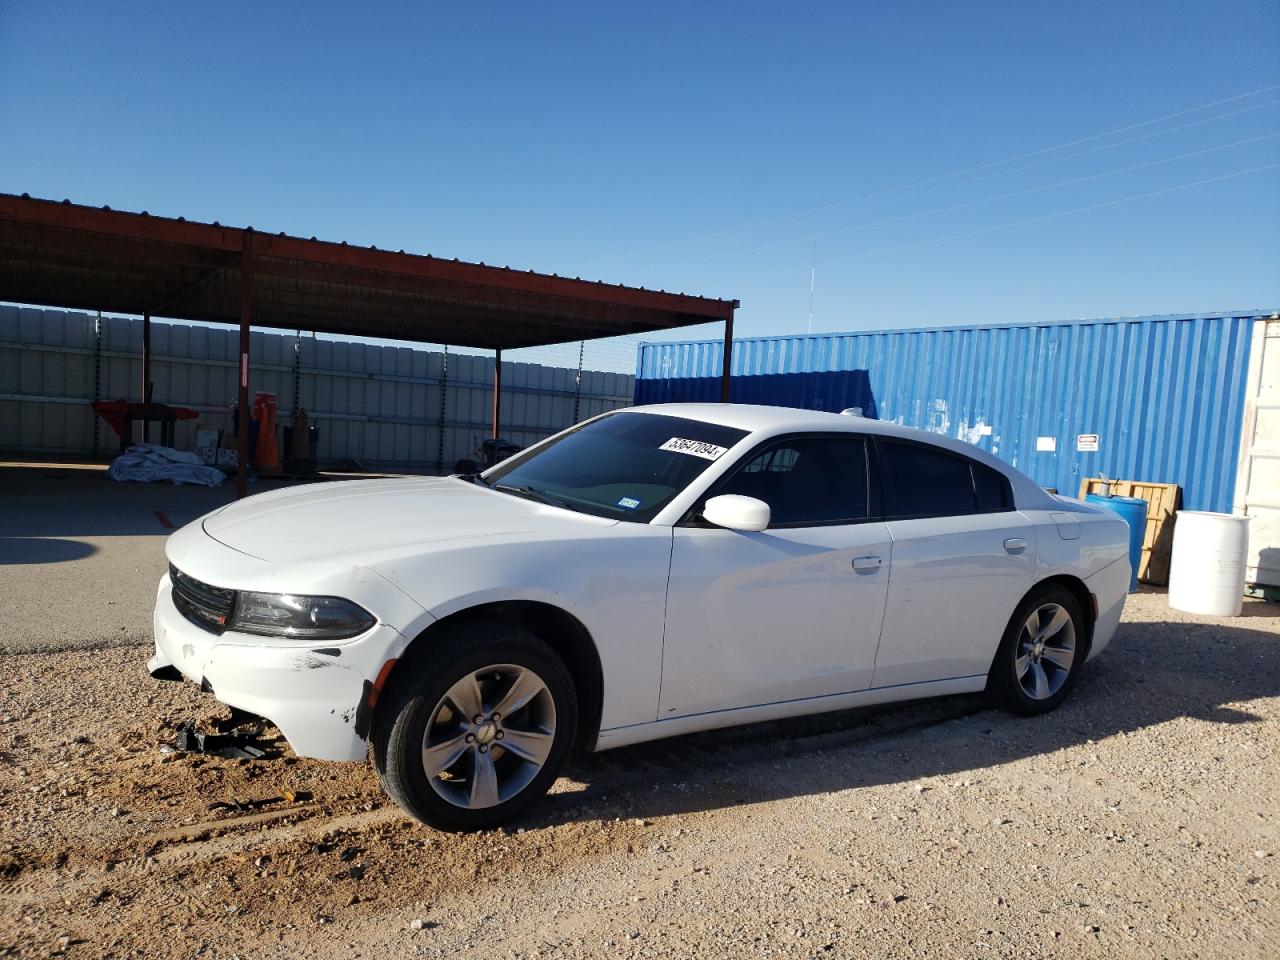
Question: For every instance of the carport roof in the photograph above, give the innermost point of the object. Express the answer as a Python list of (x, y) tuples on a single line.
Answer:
[(68, 255)]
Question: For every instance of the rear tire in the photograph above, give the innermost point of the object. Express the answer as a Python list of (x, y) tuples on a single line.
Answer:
[(476, 729), (1041, 653)]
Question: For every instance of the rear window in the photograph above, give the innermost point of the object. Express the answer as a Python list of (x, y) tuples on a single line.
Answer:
[(921, 481), (992, 489)]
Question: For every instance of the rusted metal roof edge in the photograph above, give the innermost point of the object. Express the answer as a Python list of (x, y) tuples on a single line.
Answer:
[(215, 236)]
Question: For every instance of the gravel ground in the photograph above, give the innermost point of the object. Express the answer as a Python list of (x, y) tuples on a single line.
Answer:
[(1141, 819)]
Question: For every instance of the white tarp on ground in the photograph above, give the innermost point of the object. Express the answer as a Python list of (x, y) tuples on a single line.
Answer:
[(151, 462)]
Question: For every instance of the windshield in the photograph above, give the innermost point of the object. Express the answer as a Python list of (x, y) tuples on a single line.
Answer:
[(625, 466)]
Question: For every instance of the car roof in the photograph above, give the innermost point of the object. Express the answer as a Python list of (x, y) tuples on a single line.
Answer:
[(750, 416), (768, 421), (764, 421)]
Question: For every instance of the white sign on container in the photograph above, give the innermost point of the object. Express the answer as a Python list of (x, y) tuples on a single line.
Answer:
[(1087, 443), (1046, 444)]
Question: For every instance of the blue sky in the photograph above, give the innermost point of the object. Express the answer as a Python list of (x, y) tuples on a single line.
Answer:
[(697, 147)]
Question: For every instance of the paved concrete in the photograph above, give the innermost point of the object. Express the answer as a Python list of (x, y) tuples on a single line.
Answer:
[(80, 554)]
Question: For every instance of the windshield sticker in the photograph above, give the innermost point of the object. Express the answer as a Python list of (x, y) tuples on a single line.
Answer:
[(695, 448), (629, 502)]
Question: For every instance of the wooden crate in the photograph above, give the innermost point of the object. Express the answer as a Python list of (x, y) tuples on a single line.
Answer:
[(1157, 540)]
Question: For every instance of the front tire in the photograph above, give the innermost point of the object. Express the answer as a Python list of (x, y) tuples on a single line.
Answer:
[(1041, 653), (478, 730)]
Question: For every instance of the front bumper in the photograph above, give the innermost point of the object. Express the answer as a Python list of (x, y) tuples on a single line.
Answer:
[(318, 695)]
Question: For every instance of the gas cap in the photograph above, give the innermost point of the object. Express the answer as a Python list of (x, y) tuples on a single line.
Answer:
[(1068, 526)]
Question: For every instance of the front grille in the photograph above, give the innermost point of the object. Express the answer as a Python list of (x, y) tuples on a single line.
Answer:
[(208, 607)]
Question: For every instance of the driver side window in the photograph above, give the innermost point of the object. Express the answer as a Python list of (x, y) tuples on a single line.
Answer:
[(807, 481)]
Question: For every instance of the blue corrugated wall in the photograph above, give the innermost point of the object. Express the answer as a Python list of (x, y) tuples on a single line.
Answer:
[(1164, 394)]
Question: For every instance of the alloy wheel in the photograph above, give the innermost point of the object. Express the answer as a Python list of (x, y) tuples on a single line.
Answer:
[(1046, 651), (488, 736)]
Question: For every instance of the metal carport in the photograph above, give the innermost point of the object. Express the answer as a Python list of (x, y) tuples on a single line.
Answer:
[(69, 255)]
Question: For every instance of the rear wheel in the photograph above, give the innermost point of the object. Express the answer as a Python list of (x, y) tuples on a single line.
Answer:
[(1041, 653), (476, 733)]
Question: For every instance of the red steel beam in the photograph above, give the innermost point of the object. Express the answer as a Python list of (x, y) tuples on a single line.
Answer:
[(117, 223), (398, 307), (456, 271), (217, 237)]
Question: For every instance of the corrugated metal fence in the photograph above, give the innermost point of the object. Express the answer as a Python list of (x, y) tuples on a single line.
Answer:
[(387, 407), (1164, 395)]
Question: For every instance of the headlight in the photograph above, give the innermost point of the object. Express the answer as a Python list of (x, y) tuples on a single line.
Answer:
[(306, 618)]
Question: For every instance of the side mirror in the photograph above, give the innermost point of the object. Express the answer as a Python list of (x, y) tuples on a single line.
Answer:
[(734, 512)]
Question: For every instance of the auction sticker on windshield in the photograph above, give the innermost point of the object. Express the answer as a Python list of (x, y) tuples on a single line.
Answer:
[(695, 448)]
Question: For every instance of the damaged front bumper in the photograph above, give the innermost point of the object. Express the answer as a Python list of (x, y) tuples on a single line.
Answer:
[(319, 696)]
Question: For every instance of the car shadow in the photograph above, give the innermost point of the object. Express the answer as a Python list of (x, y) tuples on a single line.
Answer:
[(1153, 673), (42, 550)]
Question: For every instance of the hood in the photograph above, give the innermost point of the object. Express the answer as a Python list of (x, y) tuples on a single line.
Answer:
[(345, 519)]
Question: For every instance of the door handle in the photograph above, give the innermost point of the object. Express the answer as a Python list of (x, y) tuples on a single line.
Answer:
[(1015, 545), (866, 564)]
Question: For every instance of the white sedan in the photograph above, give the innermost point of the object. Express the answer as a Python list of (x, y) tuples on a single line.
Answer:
[(652, 572)]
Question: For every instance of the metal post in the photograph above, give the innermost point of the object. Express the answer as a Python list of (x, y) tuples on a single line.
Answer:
[(146, 375), (242, 401), (497, 390), (577, 391), (97, 374), (444, 403), (728, 358), (297, 378)]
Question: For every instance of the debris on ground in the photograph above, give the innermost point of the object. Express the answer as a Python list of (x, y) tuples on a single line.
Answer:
[(248, 806), (241, 743)]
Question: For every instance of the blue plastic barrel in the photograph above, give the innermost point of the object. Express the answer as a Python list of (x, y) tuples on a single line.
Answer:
[(1134, 512)]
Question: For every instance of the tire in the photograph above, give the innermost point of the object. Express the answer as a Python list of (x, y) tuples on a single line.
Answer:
[(486, 769), (1041, 654), (466, 466)]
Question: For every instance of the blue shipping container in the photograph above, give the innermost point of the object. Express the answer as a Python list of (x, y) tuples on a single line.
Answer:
[(1159, 399)]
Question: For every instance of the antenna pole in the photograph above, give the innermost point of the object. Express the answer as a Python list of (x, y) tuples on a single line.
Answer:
[(813, 275)]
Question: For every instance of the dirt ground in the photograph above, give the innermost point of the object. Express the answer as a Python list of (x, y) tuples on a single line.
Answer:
[(1140, 820)]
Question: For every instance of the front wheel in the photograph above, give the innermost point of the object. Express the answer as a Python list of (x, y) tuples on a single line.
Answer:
[(477, 732), (1041, 653)]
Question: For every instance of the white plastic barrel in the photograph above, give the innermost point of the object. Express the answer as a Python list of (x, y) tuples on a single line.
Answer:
[(1206, 574)]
